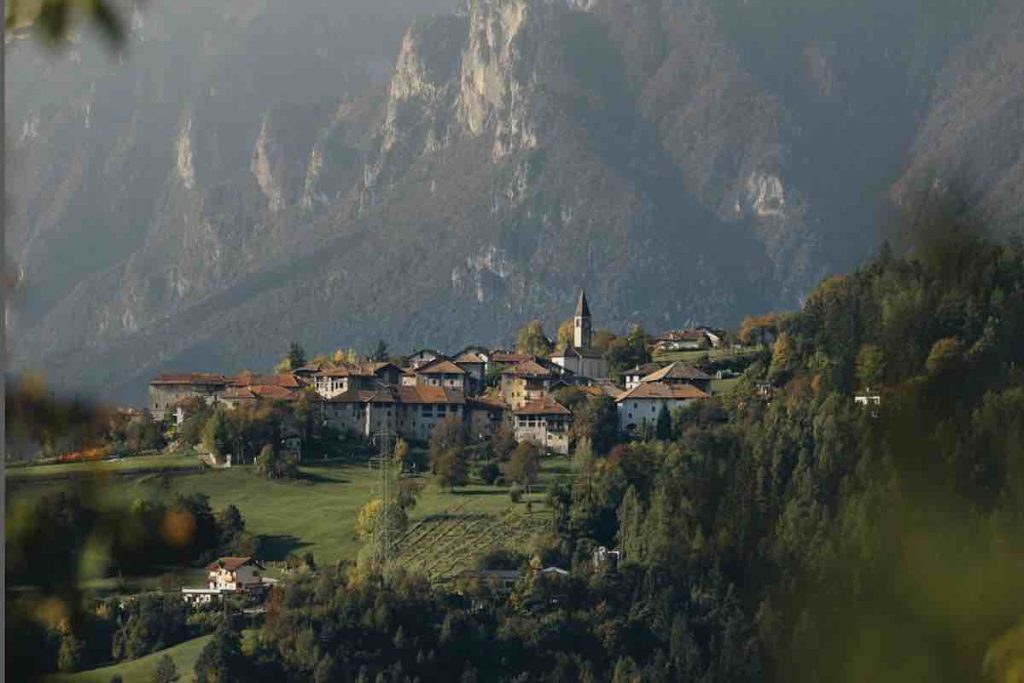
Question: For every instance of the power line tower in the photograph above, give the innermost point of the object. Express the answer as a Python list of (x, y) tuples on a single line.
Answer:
[(385, 441)]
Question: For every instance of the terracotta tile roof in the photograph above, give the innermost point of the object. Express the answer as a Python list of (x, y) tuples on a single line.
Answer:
[(677, 371), (381, 395), (645, 369), (250, 379), (470, 357), (661, 390), (237, 394), (347, 370), (258, 391), (509, 357), (417, 395), (309, 368), (440, 366), (190, 378), (377, 367), (486, 403), (543, 406), (229, 563), (528, 368), (602, 389), (271, 392)]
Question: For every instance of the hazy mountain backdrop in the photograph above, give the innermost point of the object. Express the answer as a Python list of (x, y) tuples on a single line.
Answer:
[(333, 172)]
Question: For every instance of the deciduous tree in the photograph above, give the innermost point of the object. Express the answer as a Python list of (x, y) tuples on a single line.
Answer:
[(532, 341), (524, 466)]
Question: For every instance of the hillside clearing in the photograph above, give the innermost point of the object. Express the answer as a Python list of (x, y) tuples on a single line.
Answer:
[(141, 669), (317, 512)]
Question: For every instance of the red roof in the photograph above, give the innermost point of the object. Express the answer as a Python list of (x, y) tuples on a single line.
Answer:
[(381, 395), (509, 357), (470, 357), (543, 406), (229, 563), (250, 379), (419, 394), (190, 378), (661, 390), (440, 366), (348, 370), (529, 368), (676, 371), (486, 403)]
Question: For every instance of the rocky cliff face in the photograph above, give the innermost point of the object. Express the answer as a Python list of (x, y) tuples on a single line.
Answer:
[(685, 160)]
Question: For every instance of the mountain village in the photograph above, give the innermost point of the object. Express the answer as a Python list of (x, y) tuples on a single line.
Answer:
[(481, 387)]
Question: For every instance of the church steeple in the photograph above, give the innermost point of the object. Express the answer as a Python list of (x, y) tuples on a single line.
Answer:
[(581, 323)]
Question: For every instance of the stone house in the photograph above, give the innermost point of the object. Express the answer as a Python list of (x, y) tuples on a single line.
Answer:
[(680, 373), (387, 373), (525, 382), (166, 391), (474, 363), (483, 415), (333, 381), (544, 422), (440, 373), (634, 375), (643, 402), (362, 411), (412, 412), (421, 408), (422, 357)]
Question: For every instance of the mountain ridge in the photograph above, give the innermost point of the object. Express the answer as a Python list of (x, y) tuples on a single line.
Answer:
[(681, 160)]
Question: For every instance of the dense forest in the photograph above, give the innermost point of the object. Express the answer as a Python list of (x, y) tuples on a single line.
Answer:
[(787, 534), (783, 532)]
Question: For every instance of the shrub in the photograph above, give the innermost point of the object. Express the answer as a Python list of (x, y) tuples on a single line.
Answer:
[(515, 493), (490, 473)]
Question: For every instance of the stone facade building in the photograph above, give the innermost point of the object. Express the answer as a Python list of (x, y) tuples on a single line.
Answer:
[(166, 391), (544, 422)]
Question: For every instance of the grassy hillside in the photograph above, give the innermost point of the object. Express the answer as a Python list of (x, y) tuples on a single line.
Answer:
[(141, 669), (317, 512), (136, 464)]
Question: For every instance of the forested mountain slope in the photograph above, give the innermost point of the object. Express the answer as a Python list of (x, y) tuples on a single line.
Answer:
[(260, 171)]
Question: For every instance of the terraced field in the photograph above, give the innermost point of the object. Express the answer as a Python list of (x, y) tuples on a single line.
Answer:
[(443, 545)]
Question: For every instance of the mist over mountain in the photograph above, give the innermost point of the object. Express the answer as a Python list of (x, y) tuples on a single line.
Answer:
[(334, 173)]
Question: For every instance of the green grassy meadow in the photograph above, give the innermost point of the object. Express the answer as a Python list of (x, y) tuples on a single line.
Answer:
[(141, 669), (315, 513), (701, 355), (135, 464)]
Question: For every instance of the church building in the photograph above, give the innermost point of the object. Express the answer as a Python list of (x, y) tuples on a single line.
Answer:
[(581, 358)]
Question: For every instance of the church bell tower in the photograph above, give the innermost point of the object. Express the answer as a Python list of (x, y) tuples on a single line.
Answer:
[(581, 323)]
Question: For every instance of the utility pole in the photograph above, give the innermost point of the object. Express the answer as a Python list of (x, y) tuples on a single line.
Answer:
[(384, 440)]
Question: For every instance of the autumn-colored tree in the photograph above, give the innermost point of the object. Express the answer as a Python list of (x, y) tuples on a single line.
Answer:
[(451, 468), (524, 466), (503, 441), (759, 329), (564, 337), (532, 341), (448, 434), (870, 366)]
